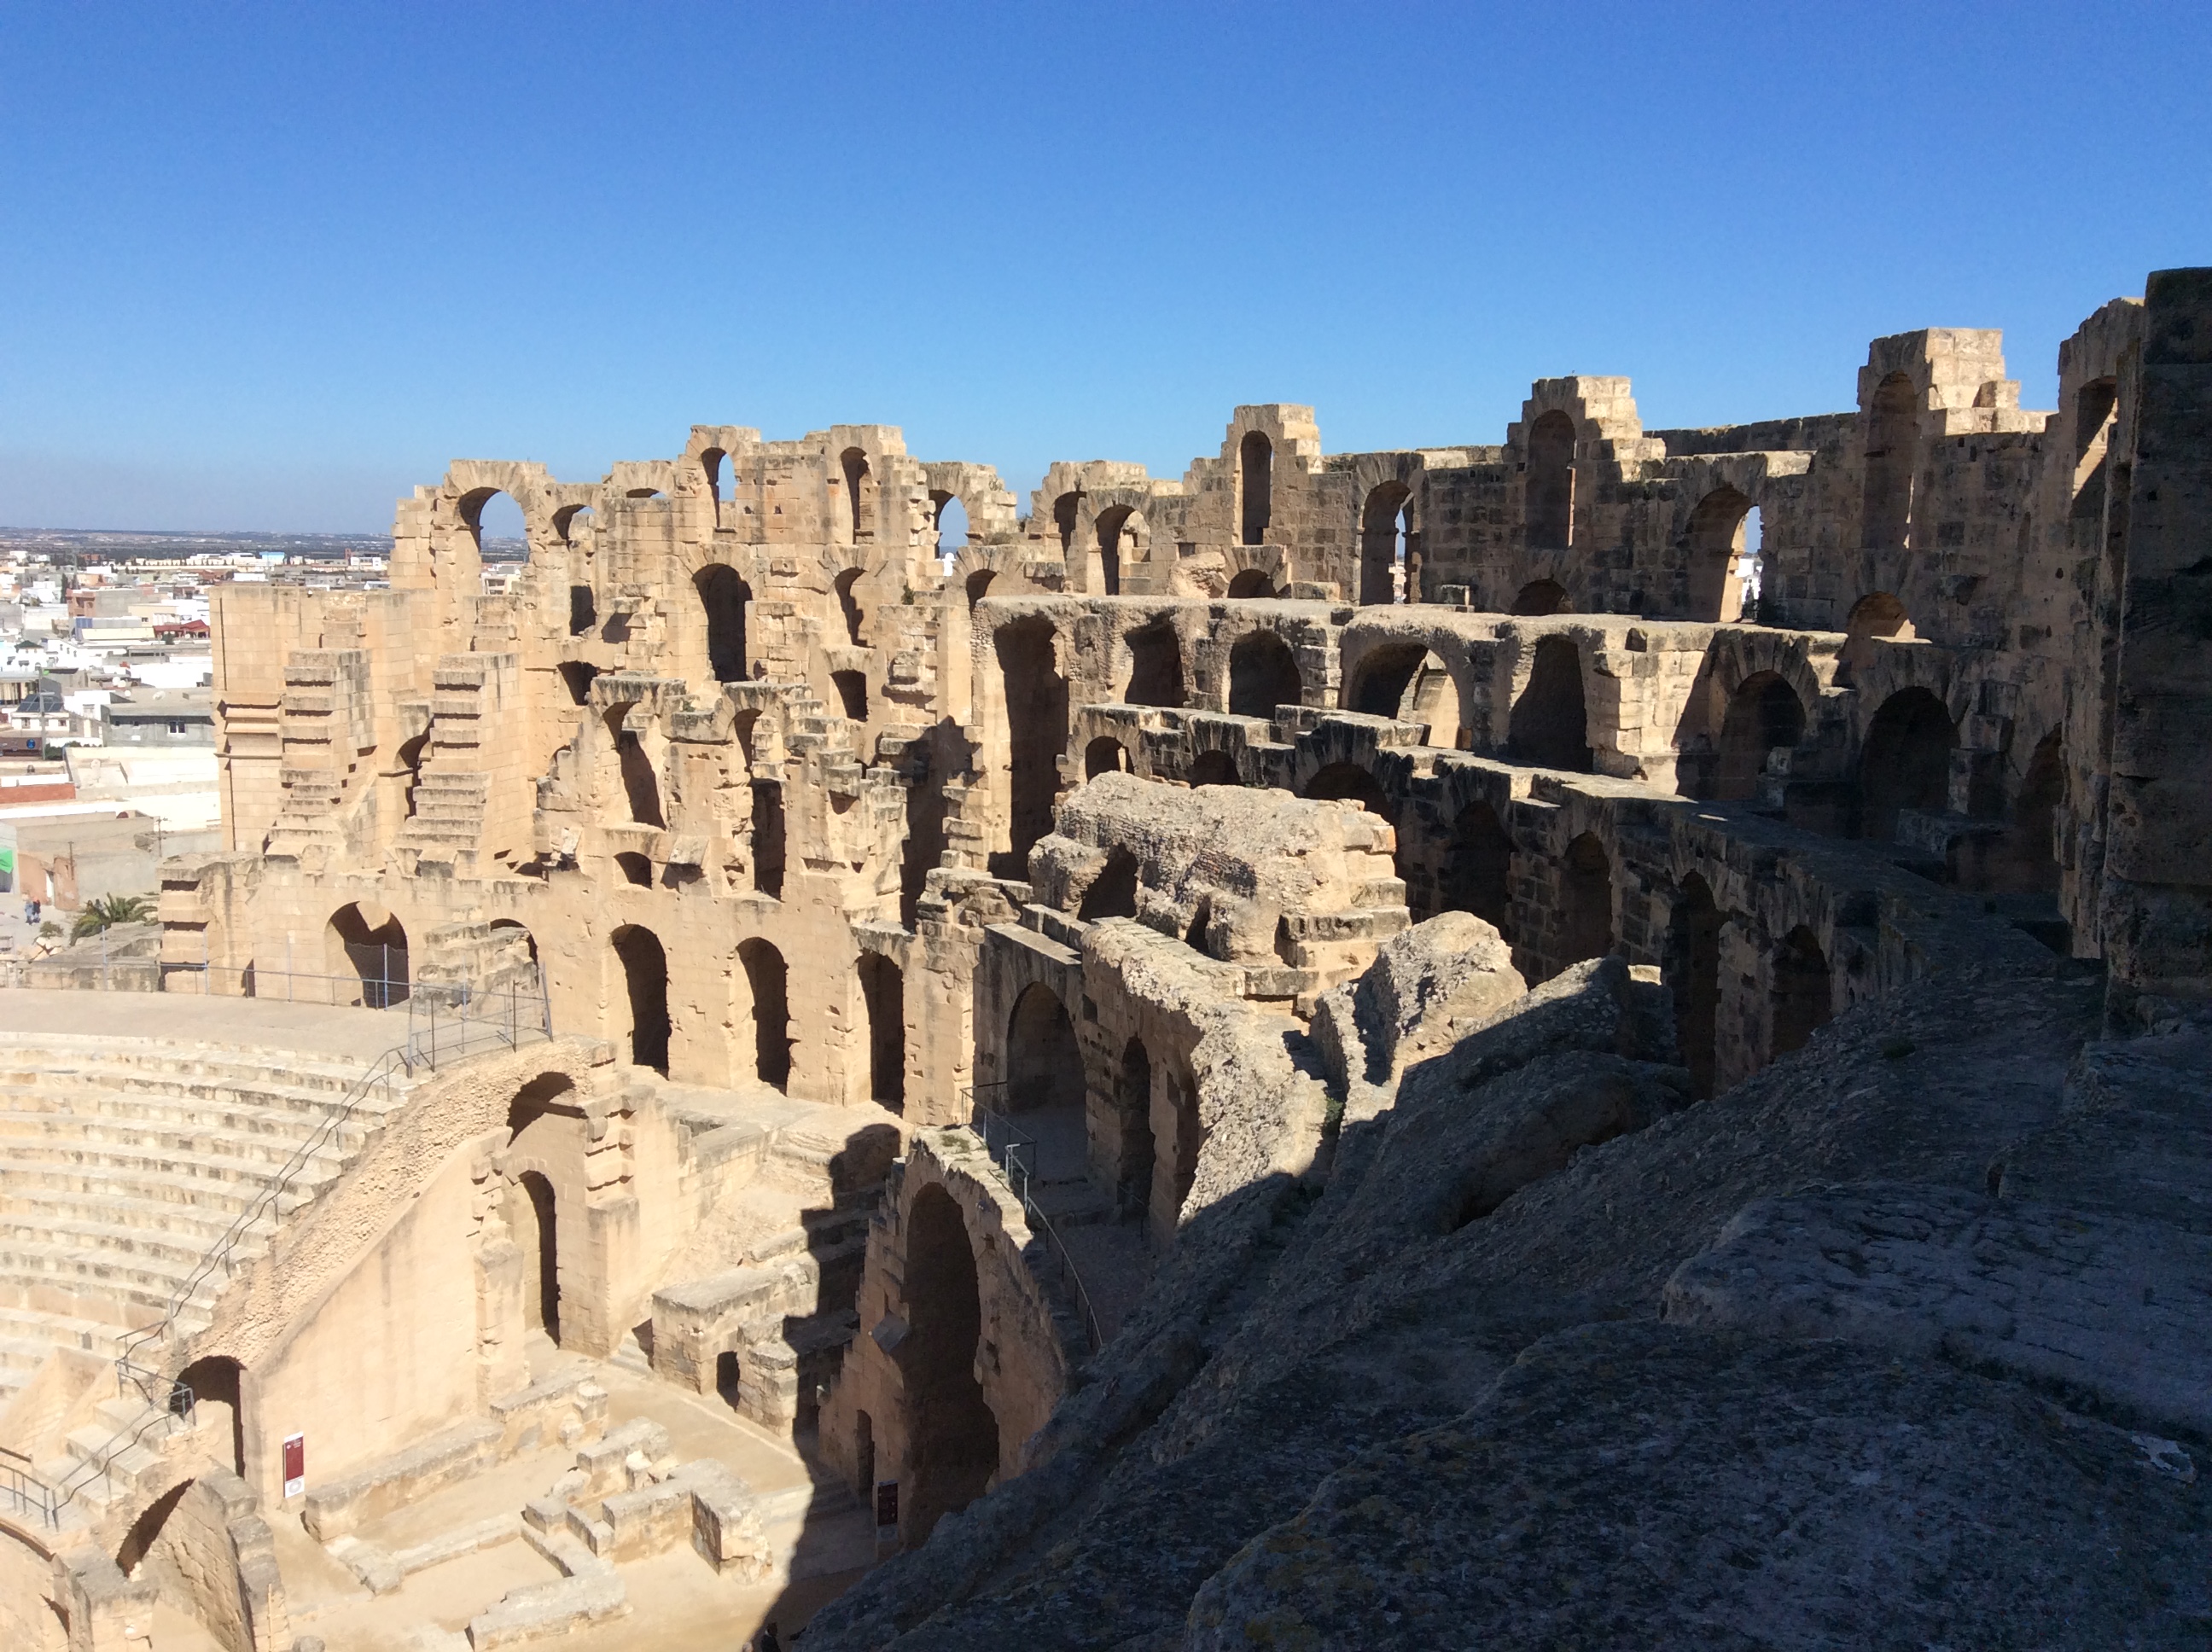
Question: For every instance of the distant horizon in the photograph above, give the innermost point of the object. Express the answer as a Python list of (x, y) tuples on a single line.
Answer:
[(274, 267)]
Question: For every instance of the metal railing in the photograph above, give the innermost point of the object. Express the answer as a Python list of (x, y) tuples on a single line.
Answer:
[(30, 1495), (472, 1021), (1014, 1150)]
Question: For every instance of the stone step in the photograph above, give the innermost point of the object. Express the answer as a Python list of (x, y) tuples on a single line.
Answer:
[(137, 1281), (146, 1243), (167, 1112), (48, 1138), (174, 1201), (27, 1056), (25, 1327), (265, 1090)]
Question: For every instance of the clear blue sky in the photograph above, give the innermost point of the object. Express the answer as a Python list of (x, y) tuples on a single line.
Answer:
[(269, 266)]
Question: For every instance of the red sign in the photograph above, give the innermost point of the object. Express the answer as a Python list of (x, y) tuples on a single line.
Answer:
[(295, 1464)]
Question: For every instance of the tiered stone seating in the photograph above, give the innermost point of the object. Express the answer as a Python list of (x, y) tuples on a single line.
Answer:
[(124, 1162)]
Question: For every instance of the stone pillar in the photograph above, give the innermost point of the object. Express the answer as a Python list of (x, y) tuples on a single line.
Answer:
[(2158, 863)]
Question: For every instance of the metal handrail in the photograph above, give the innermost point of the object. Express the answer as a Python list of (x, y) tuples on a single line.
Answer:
[(31, 1494), (1017, 1154)]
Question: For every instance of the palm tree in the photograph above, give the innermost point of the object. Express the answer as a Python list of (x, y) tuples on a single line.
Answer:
[(104, 910)]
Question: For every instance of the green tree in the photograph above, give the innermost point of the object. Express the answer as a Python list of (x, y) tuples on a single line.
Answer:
[(104, 910)]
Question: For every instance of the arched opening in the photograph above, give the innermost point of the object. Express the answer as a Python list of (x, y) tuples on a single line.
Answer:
[(849, 605), (765, 978), (1693, 973), (1134, 1099), (855, 464), (863, 1456), (1906, 764), (372, 946), (1065, 509), (1551, 483), (2030, 862), (636, 869), (1117, 542), (1478, 875), (954, 1433), (577, 677), (1105, 756), (1763, 713), (1263, 674), (1189, 1138), (1044, 1068), (1550, 725), (1715, 547), (502, 534), (768, 838), (1877, 615), (1379, 688), (724, 596), (923, 849), (2093, 419), (1433, 701), (1382, 534), (1892, 437), (1585, 901), (1347, 782), (1251, 582), (1113, 892), (540, 1246), (883, 989), (1214, 769), (1155, 666), (951, 527), (1255, 471), (583, 610), (1539, 597), (214, 1382), (1751, 567), (979, 585), (713, 469), (1803, 997), (851, 694), (640, 786), (410, 762), (729, 1377), (146, 1531), (645, 974), (1036, 727)]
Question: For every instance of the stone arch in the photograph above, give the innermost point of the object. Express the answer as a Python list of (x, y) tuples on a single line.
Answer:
[(1549, 495), (949, 523), (1893, 436), (1693, 978), (1550, 723), (954, 1448), (852, 690), (1347, 782), (979, 585), (1763, 713), (1585, 901), (1377, 686), (1155, 665), (471, 507), (368, 943), (1477, 878), (1214, 767), (217, 1385), (410, 764), (1263, 674), (636, 869), (849, 605), (645, 977), (1539, 597), (1256, 487), (724, 599), (1803, 993), (1905, 763), (145, 1531), (1251, 582), (1035, 699), (2094, 421), (1064, 510), (1113, 892), (1385, 540), (1121, 535), (860, 494), (883, 992), (1713, 544), (640, 785), (1878, 615), (1106, 756), (1044, 1064), (767, 982)]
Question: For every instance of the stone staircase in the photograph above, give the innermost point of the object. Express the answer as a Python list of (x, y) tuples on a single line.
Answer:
[(125, 1164)]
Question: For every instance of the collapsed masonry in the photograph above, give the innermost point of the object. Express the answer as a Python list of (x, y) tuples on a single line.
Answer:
[(1099, 887)]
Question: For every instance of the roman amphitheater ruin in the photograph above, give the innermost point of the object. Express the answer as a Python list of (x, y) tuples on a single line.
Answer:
[(1440, 1048)]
